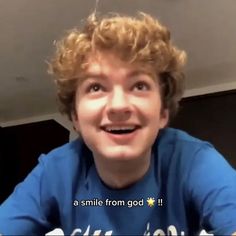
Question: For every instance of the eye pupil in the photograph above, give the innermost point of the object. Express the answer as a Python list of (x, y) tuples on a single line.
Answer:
[(140, 86), (95, 87)]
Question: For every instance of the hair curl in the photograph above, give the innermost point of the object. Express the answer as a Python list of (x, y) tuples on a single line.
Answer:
[(136, 40)]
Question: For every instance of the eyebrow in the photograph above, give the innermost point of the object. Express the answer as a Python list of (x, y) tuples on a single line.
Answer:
[(94, 75), (139, 72)]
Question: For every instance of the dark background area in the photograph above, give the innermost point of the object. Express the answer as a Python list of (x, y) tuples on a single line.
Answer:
[(212, 118), (21, 147)]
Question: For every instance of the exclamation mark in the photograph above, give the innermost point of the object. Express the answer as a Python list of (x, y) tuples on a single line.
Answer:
[(159, 201)]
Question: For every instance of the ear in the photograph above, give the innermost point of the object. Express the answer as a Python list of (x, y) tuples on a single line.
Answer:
[(75, 121), (164, 118)]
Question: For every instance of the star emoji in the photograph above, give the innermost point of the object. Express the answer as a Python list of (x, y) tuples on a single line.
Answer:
[(150, 201)]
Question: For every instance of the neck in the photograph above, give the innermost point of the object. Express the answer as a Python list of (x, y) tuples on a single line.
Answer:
[(120, 174)]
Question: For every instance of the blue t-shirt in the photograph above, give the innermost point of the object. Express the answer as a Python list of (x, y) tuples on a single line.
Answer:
[(192, 185)]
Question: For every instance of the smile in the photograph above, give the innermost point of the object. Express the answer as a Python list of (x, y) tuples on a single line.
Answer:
[(120, 130)]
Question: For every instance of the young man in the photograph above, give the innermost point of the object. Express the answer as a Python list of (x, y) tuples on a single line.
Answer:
[(119, 80)]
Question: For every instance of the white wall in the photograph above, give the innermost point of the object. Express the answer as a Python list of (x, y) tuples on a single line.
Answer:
[(210, 89)]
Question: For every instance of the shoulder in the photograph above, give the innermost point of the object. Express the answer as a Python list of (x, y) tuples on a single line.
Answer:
[(179, 138), (71, 153), (174, 143), (178, 152), (64, 169), (66, 163), (191, 158), (196, 171)]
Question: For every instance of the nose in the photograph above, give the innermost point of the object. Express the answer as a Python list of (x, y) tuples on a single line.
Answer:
[(118, 105)]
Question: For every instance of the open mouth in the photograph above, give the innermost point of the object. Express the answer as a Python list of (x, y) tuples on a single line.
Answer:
[(121, 131)]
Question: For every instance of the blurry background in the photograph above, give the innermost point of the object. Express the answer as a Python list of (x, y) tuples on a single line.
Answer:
[(205, 29)]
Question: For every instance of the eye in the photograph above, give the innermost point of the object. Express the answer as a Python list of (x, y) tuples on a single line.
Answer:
[(93, 88), (141, 86)]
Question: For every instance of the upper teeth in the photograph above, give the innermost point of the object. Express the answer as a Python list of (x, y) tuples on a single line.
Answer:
[(111, 128)]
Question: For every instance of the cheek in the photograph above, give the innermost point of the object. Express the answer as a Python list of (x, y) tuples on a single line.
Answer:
[(89, 110), (151, 107)]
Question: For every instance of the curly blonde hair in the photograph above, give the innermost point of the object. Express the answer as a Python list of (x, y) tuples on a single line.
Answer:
[(140, 39)]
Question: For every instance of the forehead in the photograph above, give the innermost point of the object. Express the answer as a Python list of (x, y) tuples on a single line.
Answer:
[(108, 63)]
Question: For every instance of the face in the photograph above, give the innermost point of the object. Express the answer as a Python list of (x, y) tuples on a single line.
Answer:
[(118, 109)]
